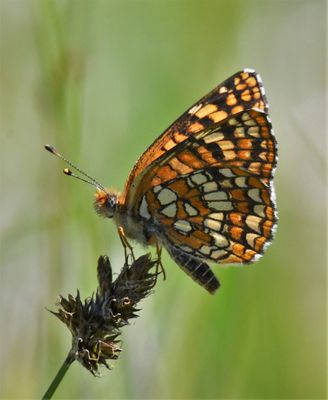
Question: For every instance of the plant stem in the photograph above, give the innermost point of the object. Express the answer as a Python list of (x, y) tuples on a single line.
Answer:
[(60, 375)]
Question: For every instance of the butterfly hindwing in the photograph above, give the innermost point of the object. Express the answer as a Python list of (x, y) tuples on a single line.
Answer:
[(218, 214)]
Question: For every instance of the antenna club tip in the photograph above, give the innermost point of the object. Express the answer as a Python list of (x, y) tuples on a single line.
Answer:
[(67, 171), (50, 148)]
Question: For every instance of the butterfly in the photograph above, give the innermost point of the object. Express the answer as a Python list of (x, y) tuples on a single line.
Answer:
[(204, 189)]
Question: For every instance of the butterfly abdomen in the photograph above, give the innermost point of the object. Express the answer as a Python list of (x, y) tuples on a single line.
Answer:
[(196, 268)]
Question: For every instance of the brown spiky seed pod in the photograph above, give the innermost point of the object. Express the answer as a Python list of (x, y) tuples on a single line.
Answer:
[(96, 322)]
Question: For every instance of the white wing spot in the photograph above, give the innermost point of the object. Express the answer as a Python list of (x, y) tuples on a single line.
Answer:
[(195, 108), (253, 131), (253, 222), (212, 224), (157, 188), (250, 237), (261, 85), (233, 121), (227, 172), (214, 137), (254, 194), (239, 131), (221, 205), (182, 226), (245, 116), (259, 210), (143, 210), (190, 210), (218, 253), (219, 239), (170, 210), (205, 250), (186, 249), (250, 122), (216, 196), (166, 196), (199, 178), (210, 187), (241, 181), (226, 183), (216, 216), (250, 71)]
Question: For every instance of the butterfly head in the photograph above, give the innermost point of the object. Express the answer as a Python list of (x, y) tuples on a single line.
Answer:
[(106, 202)]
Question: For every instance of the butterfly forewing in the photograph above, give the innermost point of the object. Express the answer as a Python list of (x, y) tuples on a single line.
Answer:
[(242, 91), (244, 141)]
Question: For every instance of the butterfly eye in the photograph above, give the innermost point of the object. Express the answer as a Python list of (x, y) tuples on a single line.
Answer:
[(105, 203)]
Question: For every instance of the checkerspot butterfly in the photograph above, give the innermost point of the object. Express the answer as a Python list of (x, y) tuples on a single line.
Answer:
[(204, 189)]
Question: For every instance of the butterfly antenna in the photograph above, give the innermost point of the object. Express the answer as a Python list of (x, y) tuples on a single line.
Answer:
[(67, 171)]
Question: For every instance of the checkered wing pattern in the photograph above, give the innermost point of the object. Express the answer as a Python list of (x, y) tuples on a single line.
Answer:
[(205, 185), (218, 214)]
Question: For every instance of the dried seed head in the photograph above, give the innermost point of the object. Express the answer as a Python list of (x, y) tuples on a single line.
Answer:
[(96, 322)]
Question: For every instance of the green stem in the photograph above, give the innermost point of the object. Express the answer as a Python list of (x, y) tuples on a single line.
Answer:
[(60, 375)]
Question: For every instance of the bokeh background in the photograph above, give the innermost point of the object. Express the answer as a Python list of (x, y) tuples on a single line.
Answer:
[(101, 80)]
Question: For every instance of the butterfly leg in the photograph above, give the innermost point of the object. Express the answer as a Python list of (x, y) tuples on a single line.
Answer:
[(159, 265), (197, 269), (128, 249)]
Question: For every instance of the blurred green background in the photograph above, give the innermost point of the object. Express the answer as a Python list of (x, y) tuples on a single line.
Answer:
[(101, 80)]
